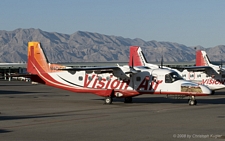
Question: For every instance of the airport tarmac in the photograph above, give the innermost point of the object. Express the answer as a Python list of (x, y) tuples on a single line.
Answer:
[(42, 113)]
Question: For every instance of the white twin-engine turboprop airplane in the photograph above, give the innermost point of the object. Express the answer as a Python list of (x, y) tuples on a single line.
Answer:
[(109, 82), (204, 72)]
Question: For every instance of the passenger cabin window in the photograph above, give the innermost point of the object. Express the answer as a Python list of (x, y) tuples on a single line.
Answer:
[(138, 78), (99, 78), (80, 78), (184, 75), (89, 78), (199, 75), (107, 78), (172, 77)]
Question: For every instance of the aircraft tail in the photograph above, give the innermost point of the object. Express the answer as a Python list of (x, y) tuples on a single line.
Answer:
[(202, 58), (137, 57), (37, 61)]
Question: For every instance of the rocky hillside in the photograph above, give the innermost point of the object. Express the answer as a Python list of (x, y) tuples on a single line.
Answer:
[(93, 47)]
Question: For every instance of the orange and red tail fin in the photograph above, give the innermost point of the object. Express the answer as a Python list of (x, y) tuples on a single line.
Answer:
[(202, 58), (136, 57), (37, 61)]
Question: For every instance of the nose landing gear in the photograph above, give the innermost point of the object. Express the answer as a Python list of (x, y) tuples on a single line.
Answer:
[(192, 101)]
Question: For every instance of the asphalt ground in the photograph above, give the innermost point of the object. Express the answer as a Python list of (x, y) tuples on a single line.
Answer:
[(42, 113)]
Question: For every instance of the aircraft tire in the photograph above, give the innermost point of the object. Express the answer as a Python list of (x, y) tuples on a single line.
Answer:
[(192, 102), (108, 100)]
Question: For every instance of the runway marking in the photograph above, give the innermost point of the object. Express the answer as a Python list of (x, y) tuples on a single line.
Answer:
[(55, 121)]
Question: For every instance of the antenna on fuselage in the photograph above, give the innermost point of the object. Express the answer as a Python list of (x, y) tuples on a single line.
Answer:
[(161, 63), (221, 63)]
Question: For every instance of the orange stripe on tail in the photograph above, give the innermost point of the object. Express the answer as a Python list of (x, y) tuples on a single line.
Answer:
[(37, 60)]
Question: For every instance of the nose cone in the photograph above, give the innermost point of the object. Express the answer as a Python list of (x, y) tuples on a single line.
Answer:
[(205, 90)]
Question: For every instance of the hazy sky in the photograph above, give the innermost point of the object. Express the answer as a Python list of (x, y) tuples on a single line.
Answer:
[(188, 22)]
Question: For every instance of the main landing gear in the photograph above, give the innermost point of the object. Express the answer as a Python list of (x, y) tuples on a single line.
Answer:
[(192, 101), (108, 100)]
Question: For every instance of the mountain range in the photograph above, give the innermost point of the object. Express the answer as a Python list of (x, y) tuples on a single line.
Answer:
[(83, 46)]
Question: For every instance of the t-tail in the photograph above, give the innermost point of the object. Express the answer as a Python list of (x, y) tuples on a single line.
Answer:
[(37, 62), (137, 58), (202, 58)]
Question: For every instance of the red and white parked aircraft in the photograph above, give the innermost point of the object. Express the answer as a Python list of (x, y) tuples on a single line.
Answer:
[(109, 82), (204, 72)]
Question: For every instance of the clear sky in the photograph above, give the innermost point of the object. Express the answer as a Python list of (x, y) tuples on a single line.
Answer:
[(188, 22)]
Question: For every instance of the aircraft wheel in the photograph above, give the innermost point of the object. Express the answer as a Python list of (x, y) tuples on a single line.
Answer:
[(108, 100), (128, 100), (192, 102)]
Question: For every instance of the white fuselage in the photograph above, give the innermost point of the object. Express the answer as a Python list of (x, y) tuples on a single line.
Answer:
[(161, 81), (211, 79)]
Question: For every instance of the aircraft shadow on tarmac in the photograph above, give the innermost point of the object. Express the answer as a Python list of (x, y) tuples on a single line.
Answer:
[(28, 117), (220, 93), (17, 92), (156, 100), (2, 85), (4, 131), (23, 117)]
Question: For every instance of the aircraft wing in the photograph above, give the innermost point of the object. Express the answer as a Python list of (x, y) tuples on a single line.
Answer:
[(198, 68), (118, 71), (89, 68)]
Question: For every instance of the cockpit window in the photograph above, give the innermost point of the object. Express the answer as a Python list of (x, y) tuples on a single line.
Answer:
[(171, 77)]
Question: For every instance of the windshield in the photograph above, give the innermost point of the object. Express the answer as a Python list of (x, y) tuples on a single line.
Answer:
[(171, 77)]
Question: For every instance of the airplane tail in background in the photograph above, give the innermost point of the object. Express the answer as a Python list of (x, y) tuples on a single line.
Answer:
[(137, 57), (37, 61), (202, 58)]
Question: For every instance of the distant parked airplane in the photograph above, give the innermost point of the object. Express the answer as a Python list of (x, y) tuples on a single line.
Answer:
[(207, 73), (203, 73)]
